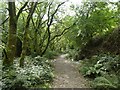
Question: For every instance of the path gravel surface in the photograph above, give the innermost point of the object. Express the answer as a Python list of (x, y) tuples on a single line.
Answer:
[(67, 74)]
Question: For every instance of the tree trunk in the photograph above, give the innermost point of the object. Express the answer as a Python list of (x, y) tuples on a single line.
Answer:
[(11, 43), (48, 41), (25, 36)]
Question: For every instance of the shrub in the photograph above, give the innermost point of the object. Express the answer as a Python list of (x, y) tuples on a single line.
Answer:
[(108, 81), (37, 72), (71, 53), (104, 69), (51, 54)]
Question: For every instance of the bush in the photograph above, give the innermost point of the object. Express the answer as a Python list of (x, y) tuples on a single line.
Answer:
[(108, 81), (71, 53), (51, 54), (36, 73), (100, 67)]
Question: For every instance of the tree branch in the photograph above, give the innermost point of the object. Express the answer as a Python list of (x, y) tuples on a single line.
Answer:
[(4, 21), (49, 23), (62, 32), (52, 16), (21, 9)]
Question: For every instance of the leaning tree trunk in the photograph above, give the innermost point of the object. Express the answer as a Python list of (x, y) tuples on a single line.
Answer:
[(11, 43), (26, 30)]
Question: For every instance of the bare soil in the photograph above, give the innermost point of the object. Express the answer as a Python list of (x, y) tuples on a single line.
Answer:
[(67, 74)]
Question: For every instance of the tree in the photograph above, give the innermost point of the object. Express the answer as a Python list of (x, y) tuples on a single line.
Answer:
[(25, 36), (12, 36), (94, 18), (46, 30), (11, 45)]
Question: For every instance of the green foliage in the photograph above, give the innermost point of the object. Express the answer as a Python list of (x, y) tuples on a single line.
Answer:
[(51, 54), (94, 71), (93, 18), (48, 21), (36, 73), (84, 69), (107, 81), (104, 69), (71, 53)]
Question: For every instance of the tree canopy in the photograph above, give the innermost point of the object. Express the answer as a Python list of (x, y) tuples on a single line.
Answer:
[(47, 28)]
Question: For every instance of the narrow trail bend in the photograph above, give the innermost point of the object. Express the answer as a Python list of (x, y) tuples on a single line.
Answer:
[(67, 74)]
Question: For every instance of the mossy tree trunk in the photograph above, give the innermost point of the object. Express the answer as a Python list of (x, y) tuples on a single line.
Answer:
[(26, 31), (12, 37), (11, 42)]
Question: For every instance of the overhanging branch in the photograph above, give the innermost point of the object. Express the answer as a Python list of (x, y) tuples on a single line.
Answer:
[(62, 32), (21, 9)]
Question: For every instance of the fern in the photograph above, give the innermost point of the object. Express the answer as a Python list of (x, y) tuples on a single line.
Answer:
[(102, 82), (104, 69)]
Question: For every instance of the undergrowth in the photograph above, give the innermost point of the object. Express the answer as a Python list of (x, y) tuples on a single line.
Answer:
[(51, 54), (103, 70), (71, 53), (37, 73)]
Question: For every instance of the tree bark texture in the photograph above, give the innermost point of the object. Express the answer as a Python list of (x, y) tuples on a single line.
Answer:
[(11, 42), (25, 36)]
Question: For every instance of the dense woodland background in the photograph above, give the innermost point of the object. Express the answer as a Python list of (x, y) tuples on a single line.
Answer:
[(33, 33)]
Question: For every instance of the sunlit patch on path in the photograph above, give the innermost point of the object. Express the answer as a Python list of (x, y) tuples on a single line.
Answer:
[(67, 74)]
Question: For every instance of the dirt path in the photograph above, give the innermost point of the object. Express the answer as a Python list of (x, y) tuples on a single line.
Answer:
[(67, 74)]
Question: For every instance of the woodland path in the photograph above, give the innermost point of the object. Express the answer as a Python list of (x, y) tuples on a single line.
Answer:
[(67, 74)]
